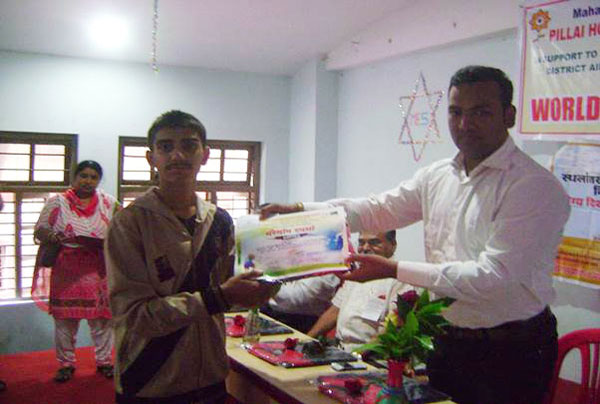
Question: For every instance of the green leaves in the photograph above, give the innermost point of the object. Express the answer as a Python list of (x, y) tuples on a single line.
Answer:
[(419, 320), (423, 299), (411, 325)]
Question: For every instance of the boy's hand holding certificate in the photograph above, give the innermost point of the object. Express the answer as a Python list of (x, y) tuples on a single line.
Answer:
[(293, 246)]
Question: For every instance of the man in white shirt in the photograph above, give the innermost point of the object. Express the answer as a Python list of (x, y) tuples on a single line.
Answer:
[(358, 309), (493, 219)]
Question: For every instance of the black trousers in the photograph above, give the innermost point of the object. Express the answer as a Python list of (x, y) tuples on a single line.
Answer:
[(509, 364)]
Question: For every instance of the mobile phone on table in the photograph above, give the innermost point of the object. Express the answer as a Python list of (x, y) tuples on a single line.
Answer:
[(345, 366)]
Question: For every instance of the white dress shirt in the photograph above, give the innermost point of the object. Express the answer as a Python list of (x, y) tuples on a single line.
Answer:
[(309, 296), (490, 237), (363, 307)]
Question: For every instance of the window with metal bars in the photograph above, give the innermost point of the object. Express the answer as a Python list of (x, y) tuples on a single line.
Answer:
[(229, 179), (33, 167)]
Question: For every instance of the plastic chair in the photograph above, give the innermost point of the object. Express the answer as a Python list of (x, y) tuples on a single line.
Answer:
[(588, 342)]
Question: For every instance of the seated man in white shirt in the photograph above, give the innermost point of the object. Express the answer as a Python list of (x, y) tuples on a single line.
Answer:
[(358, 309)]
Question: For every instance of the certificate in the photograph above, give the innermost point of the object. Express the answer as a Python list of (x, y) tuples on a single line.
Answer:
[(293, 246)]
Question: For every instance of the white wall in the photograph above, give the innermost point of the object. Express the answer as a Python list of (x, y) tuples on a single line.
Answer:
[(303, 124), (313, 133), (101, 101), (370, 158), (326, 134)]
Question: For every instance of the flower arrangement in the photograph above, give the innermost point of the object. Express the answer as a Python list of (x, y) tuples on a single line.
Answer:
[(407, 337), (409, 330)]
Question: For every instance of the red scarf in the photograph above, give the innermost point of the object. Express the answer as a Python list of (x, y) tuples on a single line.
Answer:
[(76, 205)]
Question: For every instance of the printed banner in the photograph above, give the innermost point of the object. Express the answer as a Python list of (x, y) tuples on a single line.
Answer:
[(293, 246), (577, 166), (560, 70)]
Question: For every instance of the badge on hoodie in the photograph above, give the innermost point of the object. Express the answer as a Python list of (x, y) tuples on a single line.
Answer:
[(163, 267)]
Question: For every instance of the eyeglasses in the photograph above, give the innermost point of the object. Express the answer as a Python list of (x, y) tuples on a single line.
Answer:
[(187, 145)]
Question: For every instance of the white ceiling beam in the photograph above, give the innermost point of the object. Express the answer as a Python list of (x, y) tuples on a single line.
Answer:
[(425, 24)]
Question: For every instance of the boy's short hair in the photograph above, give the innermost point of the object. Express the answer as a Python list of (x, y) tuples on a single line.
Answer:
[(176, 119)]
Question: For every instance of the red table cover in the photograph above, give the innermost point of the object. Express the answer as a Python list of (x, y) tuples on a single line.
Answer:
[(372, 386), (276, 353)]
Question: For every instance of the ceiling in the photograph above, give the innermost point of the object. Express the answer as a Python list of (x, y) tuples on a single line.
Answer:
[(263, 36)]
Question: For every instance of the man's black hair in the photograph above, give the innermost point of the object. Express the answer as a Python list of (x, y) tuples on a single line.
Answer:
[(176, 119), (475, 74), (391, 236)]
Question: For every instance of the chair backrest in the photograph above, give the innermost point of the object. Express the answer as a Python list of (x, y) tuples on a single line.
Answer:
[(588, 343)]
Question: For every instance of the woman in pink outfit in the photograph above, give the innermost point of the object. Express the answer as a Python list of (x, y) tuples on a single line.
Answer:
[(78, 220)]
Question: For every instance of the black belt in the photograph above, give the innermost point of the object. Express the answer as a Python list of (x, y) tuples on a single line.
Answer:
[(512, 331)]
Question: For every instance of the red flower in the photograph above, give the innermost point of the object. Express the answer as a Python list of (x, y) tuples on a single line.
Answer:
[(410, 297), (354, 386), (290, 343), (240, 321)]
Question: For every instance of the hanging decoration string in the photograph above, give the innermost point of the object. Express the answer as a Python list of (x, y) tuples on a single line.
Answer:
[(154, 36)]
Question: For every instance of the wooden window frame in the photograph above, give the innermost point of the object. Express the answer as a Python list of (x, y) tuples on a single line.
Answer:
[(33, 138), (20, 188)]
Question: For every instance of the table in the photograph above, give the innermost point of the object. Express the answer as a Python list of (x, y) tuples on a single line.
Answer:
[(254, 381)]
